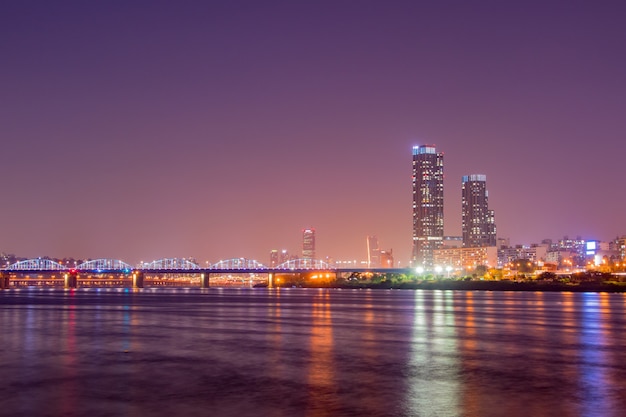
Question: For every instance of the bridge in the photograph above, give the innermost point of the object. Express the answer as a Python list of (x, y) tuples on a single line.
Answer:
[(113, 272)]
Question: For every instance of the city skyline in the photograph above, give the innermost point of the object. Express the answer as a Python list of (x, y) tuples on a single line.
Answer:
[(140, 131)]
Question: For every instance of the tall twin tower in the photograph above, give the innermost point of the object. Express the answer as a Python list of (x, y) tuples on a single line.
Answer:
[(478, 221)]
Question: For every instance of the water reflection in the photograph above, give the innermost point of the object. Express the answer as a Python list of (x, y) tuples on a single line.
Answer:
[(433, 363), (322, 389), (68, 387), (276, 365), (594, 361), (293, 352), (368, 349)]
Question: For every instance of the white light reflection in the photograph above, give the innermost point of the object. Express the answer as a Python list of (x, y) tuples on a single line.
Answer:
[(433, 363), (595, 361)]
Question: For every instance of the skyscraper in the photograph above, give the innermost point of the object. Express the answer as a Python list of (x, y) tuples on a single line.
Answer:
[(479, 227), (308, 243), (386, 258), (427, 204), (274, 261), (373, 252)]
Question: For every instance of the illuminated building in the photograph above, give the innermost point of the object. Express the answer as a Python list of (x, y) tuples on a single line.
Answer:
[(619, 245), (466, 258), (577, 244), (284, 256), (427, 204), (277, 258), (274, 259), (533, 253), (373, 252), (479, 228), (308, 243), (561, 257), (386, 258), (576, 247)]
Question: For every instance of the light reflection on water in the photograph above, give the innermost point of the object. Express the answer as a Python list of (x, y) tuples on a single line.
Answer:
[(309, 352), (433, 364)]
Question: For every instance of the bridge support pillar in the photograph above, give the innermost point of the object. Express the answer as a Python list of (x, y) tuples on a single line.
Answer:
[(204, 280), (270, 280), (71, 279), (4, 280), (137, 279)]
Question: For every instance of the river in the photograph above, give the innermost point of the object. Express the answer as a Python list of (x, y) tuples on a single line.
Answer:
[(311, 352)]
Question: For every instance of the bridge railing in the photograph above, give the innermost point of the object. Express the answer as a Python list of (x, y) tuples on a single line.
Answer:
[(37, 264), (170, 263), (305, 263), (238, 263), (105, 265)]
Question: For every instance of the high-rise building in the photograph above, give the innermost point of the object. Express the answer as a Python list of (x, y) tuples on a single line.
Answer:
[(479, 226), (386, 258), (373, 252), (274, 259), (308, 243), (619, 246), (427, 204), (278, 258)]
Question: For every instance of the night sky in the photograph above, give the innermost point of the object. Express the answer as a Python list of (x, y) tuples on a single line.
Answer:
[(219, 129)]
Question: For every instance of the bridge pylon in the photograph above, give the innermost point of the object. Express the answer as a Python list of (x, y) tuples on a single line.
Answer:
[(5, 281), (71, 279), (138, 279), (204, 280)]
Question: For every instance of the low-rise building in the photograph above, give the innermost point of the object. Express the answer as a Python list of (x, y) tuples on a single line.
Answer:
[(466, 258)]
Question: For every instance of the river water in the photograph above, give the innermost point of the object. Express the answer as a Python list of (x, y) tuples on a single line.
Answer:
[(311, 352)]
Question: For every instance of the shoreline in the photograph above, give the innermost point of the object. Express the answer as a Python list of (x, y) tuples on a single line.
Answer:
[(484, 286), (519, 286)]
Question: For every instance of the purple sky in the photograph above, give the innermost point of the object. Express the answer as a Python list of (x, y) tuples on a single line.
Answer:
[(141, 130)]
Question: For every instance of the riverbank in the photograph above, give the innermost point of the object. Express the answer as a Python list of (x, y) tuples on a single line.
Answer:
[(483, 286)]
